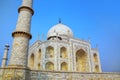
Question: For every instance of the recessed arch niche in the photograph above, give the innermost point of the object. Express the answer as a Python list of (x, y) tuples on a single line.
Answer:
[(81, 61), (64, 66), (95, 57), (31, 61), (39, 66), (63, 52), (49, 52), (39, 55), (97, 68), (49, 66)]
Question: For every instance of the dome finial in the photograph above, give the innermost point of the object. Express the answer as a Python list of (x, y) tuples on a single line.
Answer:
[(59, 20)]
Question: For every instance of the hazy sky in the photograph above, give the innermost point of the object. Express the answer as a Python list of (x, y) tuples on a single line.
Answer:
[(98, 20)]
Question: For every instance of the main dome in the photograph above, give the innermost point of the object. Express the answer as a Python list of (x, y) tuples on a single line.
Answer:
[(60, 30)]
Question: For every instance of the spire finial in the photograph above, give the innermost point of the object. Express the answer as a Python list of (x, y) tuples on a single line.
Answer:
[(96, 46), (7, 45), (38, 37), (89, 38), (42, 37), (59, 20)]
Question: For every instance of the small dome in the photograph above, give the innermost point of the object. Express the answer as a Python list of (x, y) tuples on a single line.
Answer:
[(60, 30)]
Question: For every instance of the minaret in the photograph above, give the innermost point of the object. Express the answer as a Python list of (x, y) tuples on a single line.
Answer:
[(21, 35), (4, 59)]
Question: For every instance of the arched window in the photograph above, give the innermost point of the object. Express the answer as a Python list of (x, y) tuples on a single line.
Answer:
[(39, 66), (95, 58), (81, 61), (49, 52), (63, 52), (49, 66), (64, 66), (39, 55), (97, 68), (31, 61)]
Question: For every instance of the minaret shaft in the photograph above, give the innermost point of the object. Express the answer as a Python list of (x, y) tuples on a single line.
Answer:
[(24, 21), (22, 35), (4, 59), (27, 3)]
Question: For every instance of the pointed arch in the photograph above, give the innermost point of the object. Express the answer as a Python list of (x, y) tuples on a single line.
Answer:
[(63, 52), (49, 52), (95, 57), (49, 66), (39, 55), (64, 66), (31, 61), (97, 68), (39, 66), (81, 60)]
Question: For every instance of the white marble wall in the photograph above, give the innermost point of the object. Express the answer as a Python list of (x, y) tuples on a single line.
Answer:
[(72, 45)]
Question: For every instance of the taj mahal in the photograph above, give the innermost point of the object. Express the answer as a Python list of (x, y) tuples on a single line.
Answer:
[(62, 52), (60, 57)]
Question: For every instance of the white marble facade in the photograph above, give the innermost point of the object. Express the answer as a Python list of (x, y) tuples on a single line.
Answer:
[(62, 52)]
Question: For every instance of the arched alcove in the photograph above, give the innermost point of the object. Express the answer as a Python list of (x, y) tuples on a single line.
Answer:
[(64, 66), (31, 61), (95, 57), (39, 67), (81, 61), (49, 52), (63, 52), (97, 68), (39, 55), (49, 66)]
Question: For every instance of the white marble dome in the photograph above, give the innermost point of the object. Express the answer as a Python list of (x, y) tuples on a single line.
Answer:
[(60, 30)]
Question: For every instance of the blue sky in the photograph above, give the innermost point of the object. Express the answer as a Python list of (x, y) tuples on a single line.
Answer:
[(98, 20)]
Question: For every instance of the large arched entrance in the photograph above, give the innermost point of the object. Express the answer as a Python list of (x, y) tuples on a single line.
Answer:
[(81, 61)]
